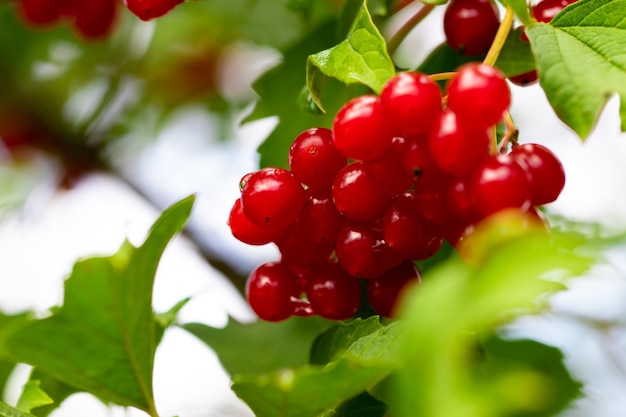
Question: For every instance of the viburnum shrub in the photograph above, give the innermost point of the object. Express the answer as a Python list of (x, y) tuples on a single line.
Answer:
[(409, 208), (463, 177)]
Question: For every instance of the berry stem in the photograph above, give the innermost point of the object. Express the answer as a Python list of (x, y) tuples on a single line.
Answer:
[(498, 42), (511, 132), (442, 76), (407, 27)]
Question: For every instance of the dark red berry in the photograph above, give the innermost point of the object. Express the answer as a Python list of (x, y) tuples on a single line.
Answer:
[(299, 252), (313, 158), (355, 195), (244, 230), (272, 197), (501, 182), (39, 12), (333, 293), (151, 9), (406, 231), (470, 26), (479, 95), (360, 130), (410, 102), (363, 252), (319, 217), (95, 18), (383, 291), (546, 10), (270, 289), (525, 79), (386, 174), (547, 176)]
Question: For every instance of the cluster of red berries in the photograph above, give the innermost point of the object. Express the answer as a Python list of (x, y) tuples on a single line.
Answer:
[(397, 175), (92, 19), (470, 26)]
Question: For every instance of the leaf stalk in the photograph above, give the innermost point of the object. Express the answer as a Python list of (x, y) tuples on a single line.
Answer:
[(501, 35)]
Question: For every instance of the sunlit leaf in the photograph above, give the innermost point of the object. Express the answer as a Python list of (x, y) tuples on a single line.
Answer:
[(581, 61), (361, 58), (102, 340), (33, 396), (275, 345)]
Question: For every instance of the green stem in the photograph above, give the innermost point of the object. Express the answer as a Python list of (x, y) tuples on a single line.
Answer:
[(501, 35), (407, 27)]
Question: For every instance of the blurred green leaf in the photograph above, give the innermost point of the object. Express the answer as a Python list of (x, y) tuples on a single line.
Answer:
[(275, 345), (54, 388), (33, 396), (363, 405), (515, 57), (361, 58), (102, 340), (521, 8), (455, 305), (581, 61), (8, 411)]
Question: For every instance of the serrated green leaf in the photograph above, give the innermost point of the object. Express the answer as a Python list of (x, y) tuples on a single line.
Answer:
[(581, 61), (307, 391), (32, 397), (361, 58), (333, 343), (275, 345), (102, 340), (8, 411), (312, 389), (454, 306)]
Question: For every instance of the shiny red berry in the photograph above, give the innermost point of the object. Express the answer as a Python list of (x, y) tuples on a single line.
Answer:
[(270, 289), (547, 176), (332, 292), (356, 196), (151, 9), (384, 291), (470, 26), (313, 158)]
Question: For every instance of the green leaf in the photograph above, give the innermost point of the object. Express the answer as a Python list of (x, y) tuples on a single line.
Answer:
[(33, 396), (102, 340), (275, 345), (455, 305), (515, 57), (333, 343), (312, 389), (581, 61), (54, 388), (363, 405), (361, 58), (553, 388), (309, 390), (521, 9), (8, 411)]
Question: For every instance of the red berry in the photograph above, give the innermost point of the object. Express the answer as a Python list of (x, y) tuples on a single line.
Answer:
[(151, 9), (546, 10), (333, 293), (39, 12), (470, 26), (410, 101), (525, 79), (95, 18), (363, 252), (355, 195), (383, 291), (272, 197), (244, 230), (389, 176), (313, 158), (360, 130), (479, 95), (270, 289), (501, 182), (406, 231), (300, 253), (319, 218), (547, 176), (456, 149)]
